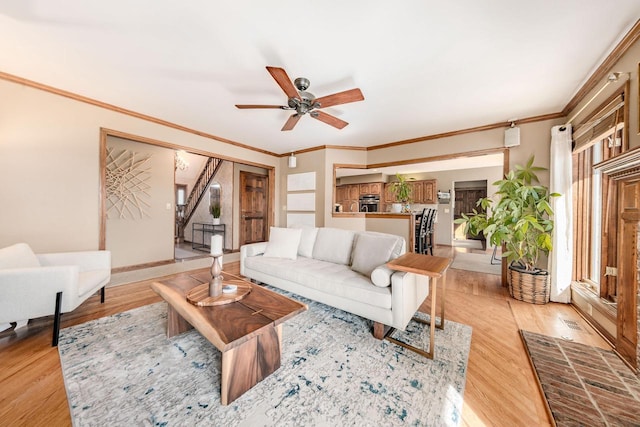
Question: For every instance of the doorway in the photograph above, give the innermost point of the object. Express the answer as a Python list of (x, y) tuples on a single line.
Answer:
[(466, 196), (127, 248), (188, 170)]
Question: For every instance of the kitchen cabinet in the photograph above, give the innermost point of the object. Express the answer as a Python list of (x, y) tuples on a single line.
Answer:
[(416, 191), (370, 188), (349, 197), (354, 192), (388, 195), (422, 192), (425, 192), (429, 192)]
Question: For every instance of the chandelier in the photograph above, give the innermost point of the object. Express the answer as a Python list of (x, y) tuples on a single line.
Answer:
[(181, 162)]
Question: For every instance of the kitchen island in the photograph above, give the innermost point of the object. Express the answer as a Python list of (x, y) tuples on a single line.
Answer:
[(400, 224)]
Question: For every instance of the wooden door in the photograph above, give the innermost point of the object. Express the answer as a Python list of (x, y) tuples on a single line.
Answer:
[(254, 196), (627, 317), (466, 200)]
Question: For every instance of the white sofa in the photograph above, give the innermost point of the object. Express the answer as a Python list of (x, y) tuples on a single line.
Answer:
[(40, 285), (341, 268)]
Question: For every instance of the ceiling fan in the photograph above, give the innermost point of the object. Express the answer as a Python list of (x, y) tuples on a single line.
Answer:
[(304, 102)]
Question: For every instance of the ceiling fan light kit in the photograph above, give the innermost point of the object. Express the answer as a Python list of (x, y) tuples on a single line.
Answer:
[(304, 102)]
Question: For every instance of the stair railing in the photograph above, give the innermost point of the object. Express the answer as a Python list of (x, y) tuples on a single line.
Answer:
[(201, 186)]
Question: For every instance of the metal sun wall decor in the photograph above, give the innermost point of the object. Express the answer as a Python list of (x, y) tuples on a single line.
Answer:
[(127, 184)]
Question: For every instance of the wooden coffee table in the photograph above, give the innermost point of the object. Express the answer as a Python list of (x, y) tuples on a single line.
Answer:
[(435, 267), (248, 332)]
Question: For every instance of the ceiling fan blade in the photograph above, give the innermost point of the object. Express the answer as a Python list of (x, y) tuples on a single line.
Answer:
[(283, 80), (345, 97), (329, 119), (257, 106), (291, 122)]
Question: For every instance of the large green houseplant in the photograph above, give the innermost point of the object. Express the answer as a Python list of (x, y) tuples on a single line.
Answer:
[(521, 220)]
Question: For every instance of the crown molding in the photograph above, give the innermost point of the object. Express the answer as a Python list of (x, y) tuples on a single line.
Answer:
[(100, 104), (628, 40), (621, 48)]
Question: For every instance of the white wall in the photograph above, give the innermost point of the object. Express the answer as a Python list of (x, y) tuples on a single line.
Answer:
[(535, 140), (50, 171), (135, 238), (49, 150)]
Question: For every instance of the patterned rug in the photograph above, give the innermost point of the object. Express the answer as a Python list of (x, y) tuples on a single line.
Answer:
[(122, 370), (584, 385)]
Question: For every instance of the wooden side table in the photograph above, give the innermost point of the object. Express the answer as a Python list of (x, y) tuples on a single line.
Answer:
[(435, 267)]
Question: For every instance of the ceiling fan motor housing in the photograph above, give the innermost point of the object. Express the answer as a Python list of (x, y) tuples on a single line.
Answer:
[(302, 83), (305, 104)]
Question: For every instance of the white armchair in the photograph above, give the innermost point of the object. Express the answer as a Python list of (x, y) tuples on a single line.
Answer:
[(33, 285)]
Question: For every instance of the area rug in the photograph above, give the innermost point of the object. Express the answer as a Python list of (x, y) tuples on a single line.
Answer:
[(122, 370), (480, 263), (584, 385)]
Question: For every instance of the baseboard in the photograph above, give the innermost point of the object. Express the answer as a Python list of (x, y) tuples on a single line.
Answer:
[(594, 312)]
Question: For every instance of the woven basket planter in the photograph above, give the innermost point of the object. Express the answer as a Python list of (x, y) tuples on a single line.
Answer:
[(529, 286)]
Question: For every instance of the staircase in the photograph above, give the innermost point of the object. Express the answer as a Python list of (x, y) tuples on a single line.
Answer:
[(201, 186)]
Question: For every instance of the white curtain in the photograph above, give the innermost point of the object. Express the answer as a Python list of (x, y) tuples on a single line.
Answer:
[(561, 258)]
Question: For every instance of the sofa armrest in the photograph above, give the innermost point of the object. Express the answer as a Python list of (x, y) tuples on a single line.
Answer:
[(408, 292), (27, 293), (252, 249), (85, 260)]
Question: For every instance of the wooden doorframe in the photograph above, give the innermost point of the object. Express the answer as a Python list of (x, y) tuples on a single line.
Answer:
[(627, 310), (269, 200), (625, 170)]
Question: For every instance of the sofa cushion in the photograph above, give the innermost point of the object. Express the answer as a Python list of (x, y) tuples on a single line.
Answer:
[(331, 278), (372, 250), (334, 245), (307, 241), (283, 243), (19, 255), (381, 276)]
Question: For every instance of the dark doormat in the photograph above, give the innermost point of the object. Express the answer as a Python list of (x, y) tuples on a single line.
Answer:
[(583, 385)]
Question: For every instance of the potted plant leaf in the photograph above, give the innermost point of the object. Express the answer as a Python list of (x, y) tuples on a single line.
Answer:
[(402, 190), (521, 220), (215, 213)]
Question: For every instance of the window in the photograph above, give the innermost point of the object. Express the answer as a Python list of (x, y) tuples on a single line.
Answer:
[(181, 194), (599, 138)]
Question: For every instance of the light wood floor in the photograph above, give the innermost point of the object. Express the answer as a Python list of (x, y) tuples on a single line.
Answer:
[(501, 388)]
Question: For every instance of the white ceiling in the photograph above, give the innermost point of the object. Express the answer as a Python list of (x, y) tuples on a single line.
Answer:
[(424, 67)]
